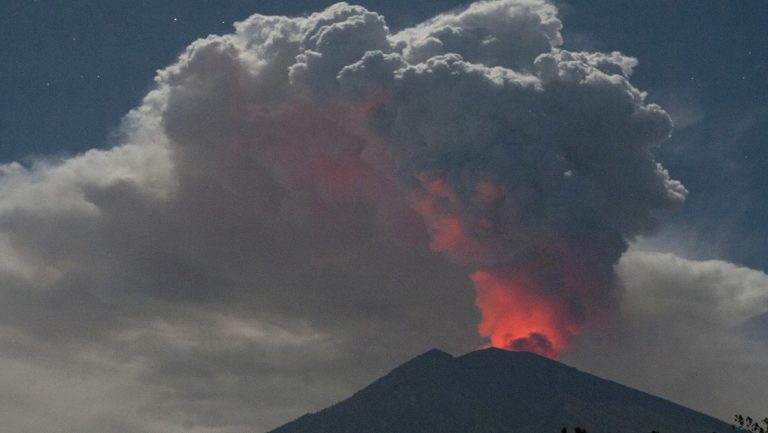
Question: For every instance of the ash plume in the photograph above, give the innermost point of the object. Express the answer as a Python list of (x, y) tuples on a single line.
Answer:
[(474, 133), (529, 162)]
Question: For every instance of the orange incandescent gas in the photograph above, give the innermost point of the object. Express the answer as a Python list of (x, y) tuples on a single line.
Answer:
[(518, 315), (533, 305)]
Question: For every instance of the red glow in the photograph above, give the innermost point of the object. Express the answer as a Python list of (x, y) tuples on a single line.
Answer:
[(518, 314), (323, 149), (326, 156), (442, 211), (533, 306)]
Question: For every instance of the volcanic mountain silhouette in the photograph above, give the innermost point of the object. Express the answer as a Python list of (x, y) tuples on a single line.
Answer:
[(496, 391)]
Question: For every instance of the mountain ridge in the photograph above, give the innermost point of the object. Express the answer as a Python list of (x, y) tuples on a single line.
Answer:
[(497, 391)]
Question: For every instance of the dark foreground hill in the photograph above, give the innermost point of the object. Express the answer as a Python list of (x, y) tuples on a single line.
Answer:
[(495, 391)]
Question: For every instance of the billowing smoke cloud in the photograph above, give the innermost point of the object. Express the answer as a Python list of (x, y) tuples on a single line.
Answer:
[(300, 203), (529, 162)]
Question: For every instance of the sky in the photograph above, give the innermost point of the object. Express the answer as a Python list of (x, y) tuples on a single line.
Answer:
[(221, 233)]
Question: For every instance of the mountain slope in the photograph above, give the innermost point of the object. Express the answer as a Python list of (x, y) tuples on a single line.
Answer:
[(495, 391)]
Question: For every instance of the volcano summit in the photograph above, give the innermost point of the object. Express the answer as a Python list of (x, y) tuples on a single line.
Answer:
[(493, 390)]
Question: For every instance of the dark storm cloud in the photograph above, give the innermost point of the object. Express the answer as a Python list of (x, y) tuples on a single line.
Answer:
[(251, 251)]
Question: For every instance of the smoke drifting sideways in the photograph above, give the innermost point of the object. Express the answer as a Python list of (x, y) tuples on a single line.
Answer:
[(527, 164)]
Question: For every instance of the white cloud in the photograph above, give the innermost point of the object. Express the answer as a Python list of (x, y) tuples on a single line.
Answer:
[(680, 333)]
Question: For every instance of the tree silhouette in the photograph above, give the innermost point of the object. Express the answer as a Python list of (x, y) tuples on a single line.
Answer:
[(751, 425), (746, 424)]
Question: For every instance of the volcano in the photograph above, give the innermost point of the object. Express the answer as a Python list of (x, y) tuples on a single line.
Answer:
[(497, 391)]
